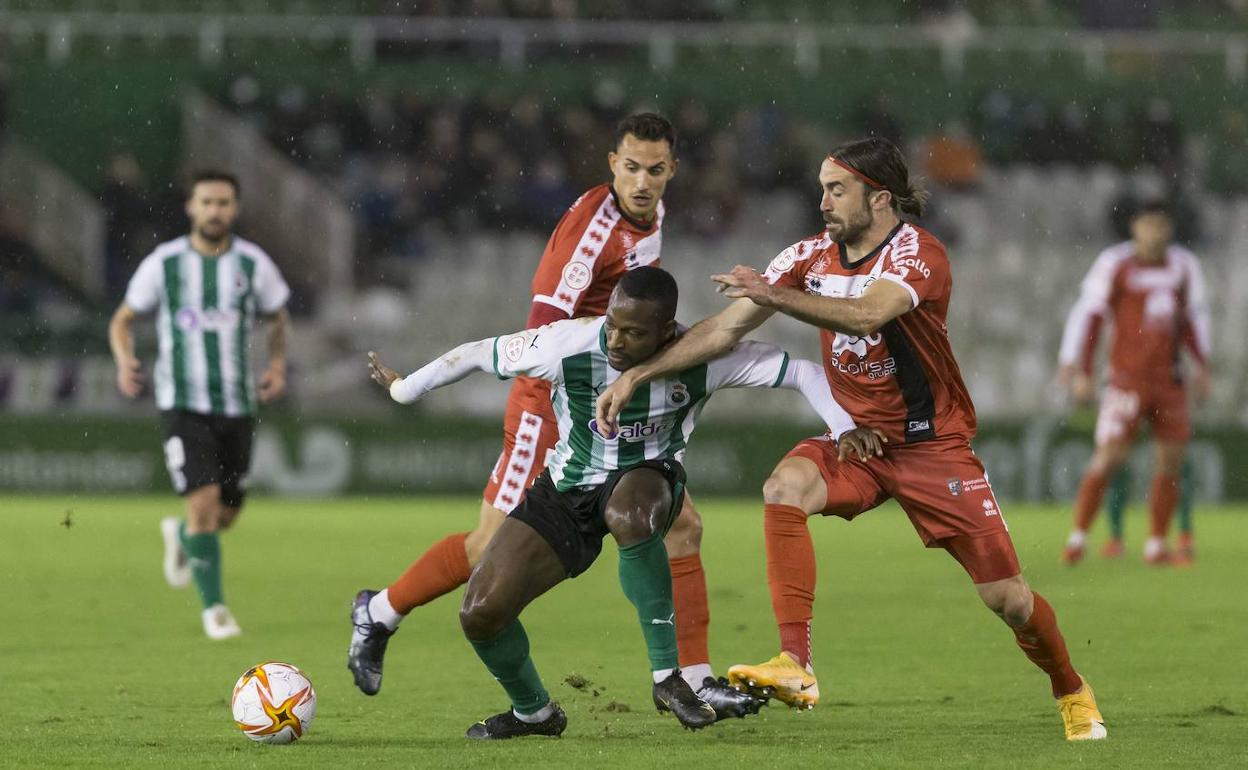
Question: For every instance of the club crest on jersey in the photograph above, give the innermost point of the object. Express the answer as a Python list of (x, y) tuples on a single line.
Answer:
[(679, 395), (241, 285), (626, 239), (576, 275), (514, 348)]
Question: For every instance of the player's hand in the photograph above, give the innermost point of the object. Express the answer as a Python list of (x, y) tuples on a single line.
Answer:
[(1202, 384), (381, 374), (1077, 382), (611, 401), (130, 377), (744, 282), (865, 442), (273, 382)]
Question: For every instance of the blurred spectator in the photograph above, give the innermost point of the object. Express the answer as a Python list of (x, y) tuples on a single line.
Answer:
[(130, 222), (952, 158)]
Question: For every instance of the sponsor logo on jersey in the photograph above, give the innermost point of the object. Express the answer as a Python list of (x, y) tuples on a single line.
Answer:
[(576, 275), (784, 260), (907, 263), (915, 426), (188, 319), (638, 431), (990, 508)]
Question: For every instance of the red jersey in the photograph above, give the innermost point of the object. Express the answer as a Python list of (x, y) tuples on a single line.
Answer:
[(592, 247), (902, 379), (1156, 308)]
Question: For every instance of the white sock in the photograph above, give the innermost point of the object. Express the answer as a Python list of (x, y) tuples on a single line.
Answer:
[(1154, 546), (1076, 539), (696, 674), (662, 674), (383, 612), (541, 715)]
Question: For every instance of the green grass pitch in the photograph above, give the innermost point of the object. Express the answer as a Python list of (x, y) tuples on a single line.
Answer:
[(102, 665)]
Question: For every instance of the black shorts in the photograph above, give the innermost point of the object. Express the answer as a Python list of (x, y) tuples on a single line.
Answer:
[(573, 522), (203, 449)]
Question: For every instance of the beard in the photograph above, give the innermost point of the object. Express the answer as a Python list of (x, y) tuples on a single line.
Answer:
[(213, 231), (848, 230)]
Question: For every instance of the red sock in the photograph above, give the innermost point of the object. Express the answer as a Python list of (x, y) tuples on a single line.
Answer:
[(443, 568), (1162, 500), (791, 576), (1088, 500), (693, 617), (1042, 643)]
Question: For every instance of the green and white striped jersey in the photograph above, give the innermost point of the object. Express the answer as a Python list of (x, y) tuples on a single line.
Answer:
[(656, 423), (207, 308)]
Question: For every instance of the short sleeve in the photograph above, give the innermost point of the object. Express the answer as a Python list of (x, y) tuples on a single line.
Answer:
[(748, 365), (270, 288), (789, 266), (920, 266), (146, 285), (573, 257)]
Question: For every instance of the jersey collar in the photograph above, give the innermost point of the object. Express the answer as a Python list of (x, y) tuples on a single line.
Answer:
[(845, 263)]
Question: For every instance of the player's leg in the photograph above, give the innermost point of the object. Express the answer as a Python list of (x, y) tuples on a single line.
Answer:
[(993, 566), (1116, 424), (808, 480), (640, 507), (447, 564), (1185, 553), (1110, 455), (693, 618), (235, 436), (518, 566), (1115, 511), (1163, 498)]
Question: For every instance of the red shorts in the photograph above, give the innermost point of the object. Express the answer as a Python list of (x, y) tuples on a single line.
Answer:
[(528, 434), (1163, 405), (942, 487)]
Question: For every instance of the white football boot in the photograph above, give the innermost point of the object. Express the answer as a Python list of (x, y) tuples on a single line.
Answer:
[(177, 566), (219, 623)]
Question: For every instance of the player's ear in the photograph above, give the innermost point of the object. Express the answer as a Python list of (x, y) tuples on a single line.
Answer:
[(675, 166), (611, 156), (669, 331)]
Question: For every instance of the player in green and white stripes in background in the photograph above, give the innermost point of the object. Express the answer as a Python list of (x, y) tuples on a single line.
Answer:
[(629, 483), (208, 288)]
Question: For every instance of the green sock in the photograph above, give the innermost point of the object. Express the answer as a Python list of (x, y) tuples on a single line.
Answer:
[(1187, 493), (647, 582), (507, 658), (1116, 501), (204, 553)]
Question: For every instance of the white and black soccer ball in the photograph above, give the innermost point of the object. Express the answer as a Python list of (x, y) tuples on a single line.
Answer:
[(273, 703)]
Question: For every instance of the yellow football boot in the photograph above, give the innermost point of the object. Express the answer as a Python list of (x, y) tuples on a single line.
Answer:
[(1082, 718), (782, 677)]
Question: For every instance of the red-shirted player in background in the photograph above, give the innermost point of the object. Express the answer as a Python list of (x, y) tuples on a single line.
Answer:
[(1154, 293), (609, 230), (878, 289)]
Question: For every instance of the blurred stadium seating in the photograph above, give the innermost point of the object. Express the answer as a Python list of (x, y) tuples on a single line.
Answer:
[(451, 135)]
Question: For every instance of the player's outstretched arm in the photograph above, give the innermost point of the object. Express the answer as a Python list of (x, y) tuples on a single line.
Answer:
[(880, 303), (450, 367), (707, 339)]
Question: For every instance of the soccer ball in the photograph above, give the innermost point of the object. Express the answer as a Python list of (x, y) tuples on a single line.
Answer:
[(273, 703)]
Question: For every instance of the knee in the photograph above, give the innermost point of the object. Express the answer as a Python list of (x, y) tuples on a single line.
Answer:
[(785, 487), (633, 523), (480, 618), (1011, 601), (685, 536)]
